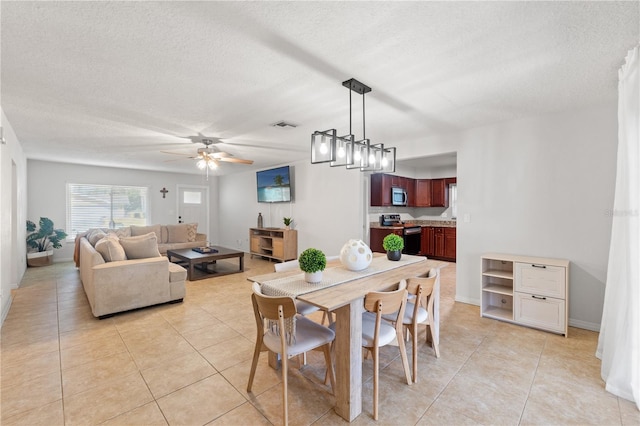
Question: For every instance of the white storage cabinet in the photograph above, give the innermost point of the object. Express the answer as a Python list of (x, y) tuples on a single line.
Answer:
[(530, 291)]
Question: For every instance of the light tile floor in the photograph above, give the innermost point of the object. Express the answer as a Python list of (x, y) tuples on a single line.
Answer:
[(188, 364)]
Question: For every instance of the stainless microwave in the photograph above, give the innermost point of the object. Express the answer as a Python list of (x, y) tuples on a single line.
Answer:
[(398, 197)]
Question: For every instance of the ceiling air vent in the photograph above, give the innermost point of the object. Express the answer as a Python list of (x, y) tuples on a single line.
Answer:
[(284, 124)]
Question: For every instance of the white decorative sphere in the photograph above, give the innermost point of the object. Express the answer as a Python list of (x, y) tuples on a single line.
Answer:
[(356, 255)]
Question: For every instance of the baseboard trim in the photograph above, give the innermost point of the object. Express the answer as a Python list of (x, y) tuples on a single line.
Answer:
[(5, 310), (468, 301), (592, 326)]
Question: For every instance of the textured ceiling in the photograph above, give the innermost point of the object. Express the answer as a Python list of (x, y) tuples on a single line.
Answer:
[(115, 83)]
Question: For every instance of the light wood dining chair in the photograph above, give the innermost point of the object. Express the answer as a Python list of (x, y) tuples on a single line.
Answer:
[(377, 333), (419, 311), (282, 331)]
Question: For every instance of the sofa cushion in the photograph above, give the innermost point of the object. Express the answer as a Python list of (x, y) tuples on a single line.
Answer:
[(141, 246), (164, 235), (178, 233), (95, 235), (192, 231), (121, 232), (143, 230), (110, 249)]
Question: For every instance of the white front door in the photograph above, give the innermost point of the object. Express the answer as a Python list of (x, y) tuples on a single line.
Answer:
[(193, 206)]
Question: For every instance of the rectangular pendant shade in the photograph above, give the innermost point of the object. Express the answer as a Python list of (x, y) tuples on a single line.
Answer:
[(360, 154), (389, 160), (344, 151), (323, 146), (375, 158)]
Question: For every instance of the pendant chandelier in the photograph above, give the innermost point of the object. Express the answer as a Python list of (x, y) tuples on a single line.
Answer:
[(328, 147)]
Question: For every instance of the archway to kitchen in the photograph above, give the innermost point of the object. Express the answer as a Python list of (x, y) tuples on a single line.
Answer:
[(437, 219)]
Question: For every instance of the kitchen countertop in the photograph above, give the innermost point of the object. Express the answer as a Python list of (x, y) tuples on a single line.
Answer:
[(442, 223)]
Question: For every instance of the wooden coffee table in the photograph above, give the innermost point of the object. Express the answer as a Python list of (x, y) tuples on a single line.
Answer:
[(203, 265)]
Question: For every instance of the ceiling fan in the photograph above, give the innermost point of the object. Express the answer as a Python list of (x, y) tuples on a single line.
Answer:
[(210, 156)]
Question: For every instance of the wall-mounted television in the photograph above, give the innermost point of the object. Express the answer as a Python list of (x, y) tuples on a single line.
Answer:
[(274, 185)]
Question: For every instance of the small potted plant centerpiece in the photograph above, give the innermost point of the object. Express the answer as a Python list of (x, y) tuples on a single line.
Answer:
[(42, 241), (393, 244), (287, 222), (312, 261)]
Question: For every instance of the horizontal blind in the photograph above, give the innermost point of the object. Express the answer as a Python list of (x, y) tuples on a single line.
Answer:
[(105, 206)]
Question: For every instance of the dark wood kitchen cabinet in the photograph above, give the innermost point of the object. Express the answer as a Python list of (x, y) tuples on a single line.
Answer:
[(381, 189), (427, 241), (423, 193), (409, 186), (381, 185), (439, 193), (439, 242), (420, 192), (376, 235), (450, 243)]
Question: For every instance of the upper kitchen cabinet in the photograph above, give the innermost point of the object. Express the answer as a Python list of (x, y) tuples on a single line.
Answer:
[(420, 192), (423, 192), (439, 193), (410, 188), (381, 185), (381, 189)]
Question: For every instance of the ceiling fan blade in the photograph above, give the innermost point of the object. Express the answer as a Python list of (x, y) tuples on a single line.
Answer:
[(220, 154), (235, 160), (176, 153)]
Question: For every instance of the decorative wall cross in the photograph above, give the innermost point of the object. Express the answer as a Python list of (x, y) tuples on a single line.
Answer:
[(164, 192)]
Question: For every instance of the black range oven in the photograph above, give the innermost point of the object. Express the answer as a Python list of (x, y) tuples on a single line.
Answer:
[(412, 234), (412, 239)]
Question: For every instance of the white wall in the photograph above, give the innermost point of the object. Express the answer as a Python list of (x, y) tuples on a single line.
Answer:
[(540, 187), (47, 193), (13, 207), (327, 209)]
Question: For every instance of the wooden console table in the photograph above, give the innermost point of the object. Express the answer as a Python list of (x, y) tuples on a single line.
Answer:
[(274, 243)]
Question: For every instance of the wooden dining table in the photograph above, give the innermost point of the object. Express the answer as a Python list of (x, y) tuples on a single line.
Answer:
[(346, 301)]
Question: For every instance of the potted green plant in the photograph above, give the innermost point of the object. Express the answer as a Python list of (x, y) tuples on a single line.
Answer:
[(41, 241), (312, 261), (393, 244), (287, 222)]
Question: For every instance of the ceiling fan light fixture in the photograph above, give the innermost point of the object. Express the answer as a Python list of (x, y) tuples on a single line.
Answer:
[(201, 164)]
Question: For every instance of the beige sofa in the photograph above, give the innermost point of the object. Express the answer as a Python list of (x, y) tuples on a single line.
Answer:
[(173, 237), (116, 281)]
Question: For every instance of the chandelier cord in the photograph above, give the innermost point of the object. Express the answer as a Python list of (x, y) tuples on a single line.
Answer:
[(350, 133), (364, 134)]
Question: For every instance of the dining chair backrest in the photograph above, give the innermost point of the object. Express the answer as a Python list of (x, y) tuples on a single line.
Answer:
[(386, 302), (421, 288), (274, 307)]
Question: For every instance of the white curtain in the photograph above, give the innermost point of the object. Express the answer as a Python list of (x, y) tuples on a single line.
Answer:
[(619, 340)]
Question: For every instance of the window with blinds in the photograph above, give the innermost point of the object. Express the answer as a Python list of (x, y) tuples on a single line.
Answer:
[(105, 206)]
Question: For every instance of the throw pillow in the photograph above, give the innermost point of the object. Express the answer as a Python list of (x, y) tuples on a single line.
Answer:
[(110, 249), (178, 233), (143, 230), (141, 246), (120, 232), (95, 236), (192, 230)]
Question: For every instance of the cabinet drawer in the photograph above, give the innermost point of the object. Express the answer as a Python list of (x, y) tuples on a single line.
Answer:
[(542, 280), (538, 311)]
